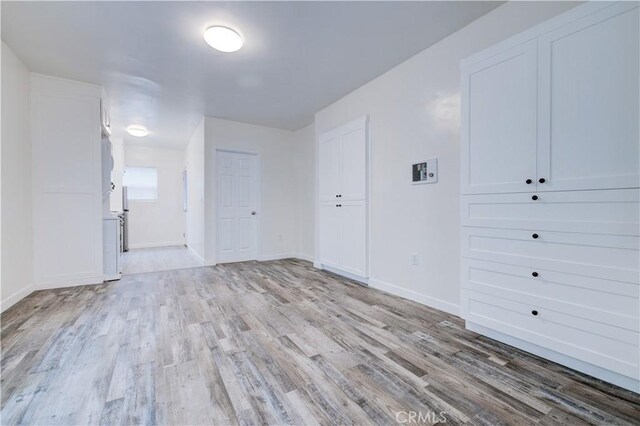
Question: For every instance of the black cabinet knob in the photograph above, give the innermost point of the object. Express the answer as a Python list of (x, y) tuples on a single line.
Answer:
[(529, 181), (542, 180), (535, 236), (534, 198), (535, 274), (534, 313)]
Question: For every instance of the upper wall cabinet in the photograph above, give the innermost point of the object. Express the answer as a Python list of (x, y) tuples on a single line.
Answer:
[(499, 144), (588, 102), (342, 163), (556, 111)]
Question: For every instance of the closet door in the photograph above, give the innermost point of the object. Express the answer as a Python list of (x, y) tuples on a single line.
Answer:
[(588, 102), (354, 161), (499, 122), (354, 237), (329, 166), (330, 235)]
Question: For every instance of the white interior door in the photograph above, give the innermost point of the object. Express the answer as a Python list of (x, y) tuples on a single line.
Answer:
[(589, 102), (499, 144), (237, 206)]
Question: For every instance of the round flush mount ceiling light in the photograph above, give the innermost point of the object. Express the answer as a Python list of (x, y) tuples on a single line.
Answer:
[(137, 131), (223, 39)]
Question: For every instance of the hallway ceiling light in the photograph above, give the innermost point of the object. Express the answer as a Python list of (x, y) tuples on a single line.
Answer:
[(223, 39), (137, 131)]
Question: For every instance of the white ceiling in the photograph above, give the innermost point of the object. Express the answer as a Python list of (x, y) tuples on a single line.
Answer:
[(157, 70)]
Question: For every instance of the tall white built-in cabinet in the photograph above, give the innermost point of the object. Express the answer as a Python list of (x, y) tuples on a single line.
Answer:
[(343, 199), (67, 188), (550, 204)]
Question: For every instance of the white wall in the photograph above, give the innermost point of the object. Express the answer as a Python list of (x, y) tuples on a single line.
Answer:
[(17, 235), (194, 163), (278, 212), (303, 150), (160, 222), (414, 115)]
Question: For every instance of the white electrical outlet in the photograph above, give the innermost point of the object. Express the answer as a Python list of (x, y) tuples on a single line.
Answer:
[(415, 259)]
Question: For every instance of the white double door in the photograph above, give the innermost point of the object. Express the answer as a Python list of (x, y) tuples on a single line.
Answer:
[(237, 200), (343, 236)]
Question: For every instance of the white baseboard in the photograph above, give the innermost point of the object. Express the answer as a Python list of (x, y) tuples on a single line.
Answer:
[(430, 301), (361, 280), (16, 297), (267, 257), (160, 244), (196, 255), (306, 257), (72, 282)]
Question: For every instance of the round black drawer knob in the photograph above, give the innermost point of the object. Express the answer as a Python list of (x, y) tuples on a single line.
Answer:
[(535, 236), (534, 198), (542, 180), (535, 274), (534, 313), (529, 181)]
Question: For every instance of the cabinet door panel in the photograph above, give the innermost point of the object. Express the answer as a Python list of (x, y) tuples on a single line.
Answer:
[(330, 234), (588, 102), (499, 122), (354, 160), (329, 168), (354, 237)]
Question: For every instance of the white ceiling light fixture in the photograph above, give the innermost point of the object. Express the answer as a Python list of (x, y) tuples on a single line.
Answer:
[(223, 39), (137, 131)]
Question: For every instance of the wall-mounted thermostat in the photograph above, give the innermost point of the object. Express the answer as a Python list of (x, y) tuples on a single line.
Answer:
[(425, 172)]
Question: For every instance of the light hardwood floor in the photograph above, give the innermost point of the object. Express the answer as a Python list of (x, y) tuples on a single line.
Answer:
[(156, 259), (272, 343)]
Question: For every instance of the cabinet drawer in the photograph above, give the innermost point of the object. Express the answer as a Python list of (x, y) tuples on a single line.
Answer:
[(606, 346), (609, 302), (593, 296), (613, 257), (596, 212)]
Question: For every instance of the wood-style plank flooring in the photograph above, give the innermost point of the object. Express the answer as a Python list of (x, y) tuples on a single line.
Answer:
[(156, 259), (273, 343)]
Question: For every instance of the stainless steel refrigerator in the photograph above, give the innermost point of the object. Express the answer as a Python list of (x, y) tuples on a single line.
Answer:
[(125, 219)]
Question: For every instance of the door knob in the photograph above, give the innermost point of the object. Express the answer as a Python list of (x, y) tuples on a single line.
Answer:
[(529, 181), (534, 198), (253, 213), (542, 180), (535, 236)]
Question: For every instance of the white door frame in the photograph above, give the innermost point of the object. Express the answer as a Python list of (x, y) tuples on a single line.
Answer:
[(258, 186)]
